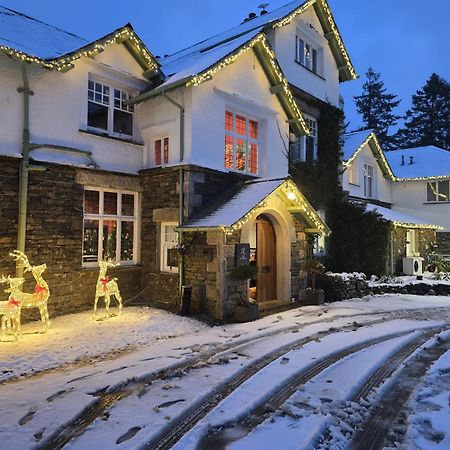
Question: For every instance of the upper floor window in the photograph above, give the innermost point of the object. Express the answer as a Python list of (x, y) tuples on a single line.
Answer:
[(109, 226), (161, 148), (304, 149), (438, 191), (168, 247), (369, 181), (107, 110), (241, 143), (353, 174), (306, 54)]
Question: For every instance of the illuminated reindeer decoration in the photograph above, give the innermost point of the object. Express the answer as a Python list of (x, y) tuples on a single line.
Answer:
[(106, 287), (39, 298), (10, 310)]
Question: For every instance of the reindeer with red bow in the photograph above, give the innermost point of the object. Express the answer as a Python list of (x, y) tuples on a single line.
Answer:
[(11, 309), (38, 298), (107, 287)]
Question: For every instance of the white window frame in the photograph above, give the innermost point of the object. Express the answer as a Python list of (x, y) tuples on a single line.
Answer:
[(247, 141), (125, 94), (166, 245), (435, 188), (303, 48), (299, 145), (411, 242), (353, 174), (369, 181), (156, 139), (118, 218)]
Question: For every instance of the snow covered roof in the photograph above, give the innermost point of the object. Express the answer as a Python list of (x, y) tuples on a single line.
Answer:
[(400, 219), (233, 210), (34, 41), (274, 19), (428, 162), (354, 142)]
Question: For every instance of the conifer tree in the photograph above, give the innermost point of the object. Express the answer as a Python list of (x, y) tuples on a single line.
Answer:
[(376, 107), (428, 120)]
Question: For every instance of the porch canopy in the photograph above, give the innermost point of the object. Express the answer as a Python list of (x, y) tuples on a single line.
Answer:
[(244, 203), (401, 219)]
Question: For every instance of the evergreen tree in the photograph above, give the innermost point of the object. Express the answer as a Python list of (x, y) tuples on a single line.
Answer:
[(376, 107), (428, 120)]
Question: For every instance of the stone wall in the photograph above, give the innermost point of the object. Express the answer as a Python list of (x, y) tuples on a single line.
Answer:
[(298, 255), (443, 243)]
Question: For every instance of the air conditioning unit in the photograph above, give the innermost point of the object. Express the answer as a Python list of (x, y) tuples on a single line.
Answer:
[(413, 265)]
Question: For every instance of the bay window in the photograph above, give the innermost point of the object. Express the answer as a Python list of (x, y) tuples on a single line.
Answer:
[(109, 226), (438, 191), (107, 110), (241, 143)]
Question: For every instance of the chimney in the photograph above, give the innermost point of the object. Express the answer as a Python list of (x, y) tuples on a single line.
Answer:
[(403, 160), (411, 160)]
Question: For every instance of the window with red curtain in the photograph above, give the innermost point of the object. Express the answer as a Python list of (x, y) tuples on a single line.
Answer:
[(241, 143)]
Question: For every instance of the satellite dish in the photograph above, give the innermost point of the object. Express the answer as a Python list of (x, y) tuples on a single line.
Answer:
[(263, 7)]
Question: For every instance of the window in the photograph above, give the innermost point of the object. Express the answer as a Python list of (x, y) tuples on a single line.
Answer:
[(110, 226), (241, 143), (369, 185), (438, 191), (304, 149), (320, 240), (161, 147), (306, 54), (353, 174), (411, 242), (169, 242), (109, 113)]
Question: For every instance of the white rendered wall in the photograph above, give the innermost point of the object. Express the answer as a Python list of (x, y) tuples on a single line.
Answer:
[(382, 185), (282, 40), (58, 108), (410, 197)]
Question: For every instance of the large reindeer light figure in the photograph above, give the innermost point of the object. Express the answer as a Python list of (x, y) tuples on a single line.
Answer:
[(11, 309), (39, 298), (106, 287)]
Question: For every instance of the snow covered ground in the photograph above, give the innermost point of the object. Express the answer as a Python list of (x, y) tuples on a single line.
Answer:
[(163, 367)]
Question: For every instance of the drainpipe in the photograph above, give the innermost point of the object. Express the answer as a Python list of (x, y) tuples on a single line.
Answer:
[(181, 277), (391, 252), (24, 167)]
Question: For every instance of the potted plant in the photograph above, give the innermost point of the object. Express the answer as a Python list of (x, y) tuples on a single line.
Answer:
[(311, 295)]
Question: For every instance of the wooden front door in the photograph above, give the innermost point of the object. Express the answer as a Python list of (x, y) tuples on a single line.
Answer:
[(266, 260)]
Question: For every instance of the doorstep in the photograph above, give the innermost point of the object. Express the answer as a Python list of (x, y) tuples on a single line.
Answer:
[(277, 305)]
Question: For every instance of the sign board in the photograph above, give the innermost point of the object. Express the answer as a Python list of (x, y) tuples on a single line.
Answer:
[(242, 254)]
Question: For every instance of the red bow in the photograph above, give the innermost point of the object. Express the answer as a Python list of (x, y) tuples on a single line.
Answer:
[(40, 291), (104, 281), (13, 302)]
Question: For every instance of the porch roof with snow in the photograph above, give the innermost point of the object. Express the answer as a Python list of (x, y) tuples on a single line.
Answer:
[(354, 142), (271, 20), (428, 163), (401, 219), (232, 211), (31, 40)]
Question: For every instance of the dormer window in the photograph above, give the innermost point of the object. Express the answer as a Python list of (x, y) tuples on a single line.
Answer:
[(107, 110), (306, 54)]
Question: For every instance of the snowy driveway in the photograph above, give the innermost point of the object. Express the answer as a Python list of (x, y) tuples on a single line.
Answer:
[(308, 377)]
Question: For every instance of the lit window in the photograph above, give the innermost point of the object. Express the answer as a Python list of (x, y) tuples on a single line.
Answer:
[(369, 184), (438, 191), (353, 174), (169, 242), (109, 226), (306, 54), (304, 148), (109, 114), (161, 147), (241, 143)]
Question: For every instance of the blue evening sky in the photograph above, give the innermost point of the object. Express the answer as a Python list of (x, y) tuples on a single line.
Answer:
[(405, 40)]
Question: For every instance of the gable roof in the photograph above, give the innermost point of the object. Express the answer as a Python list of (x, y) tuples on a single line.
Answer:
[(429, 162), (37, 42), (195, 70), (278, 18), (354, 142), (234, 210)]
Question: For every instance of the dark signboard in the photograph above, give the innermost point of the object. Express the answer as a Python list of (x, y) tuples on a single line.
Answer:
[(242, 254)]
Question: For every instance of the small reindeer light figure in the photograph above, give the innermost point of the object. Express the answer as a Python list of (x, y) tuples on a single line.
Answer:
[(11, 309), (107, 287), (39, 298)]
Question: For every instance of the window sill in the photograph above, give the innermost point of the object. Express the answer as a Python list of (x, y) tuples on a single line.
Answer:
[(165, 272), (310, 71), (108, 136), (437, 203), (354, 184), (124, 267)]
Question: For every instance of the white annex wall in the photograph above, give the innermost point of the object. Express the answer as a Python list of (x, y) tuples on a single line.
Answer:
[(382, 185), (410, 197), (282, 40), (244, 88), (58, 108)]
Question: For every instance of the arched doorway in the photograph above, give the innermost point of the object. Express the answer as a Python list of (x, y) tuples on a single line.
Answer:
[(266, 259)]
